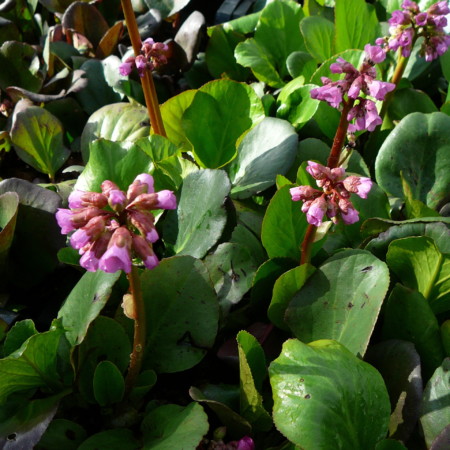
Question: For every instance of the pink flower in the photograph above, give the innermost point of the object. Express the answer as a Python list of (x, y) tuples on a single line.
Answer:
[(439, 8), (117, 256), (303, 193), (64, 219), (117, 199), (351, 216), (166, 200), (246, 443), (330, 93), (145, 252), (374, 53), (147, 179), (360, 186), (379, 89), (126, 67), (366, 115), (316, 211)]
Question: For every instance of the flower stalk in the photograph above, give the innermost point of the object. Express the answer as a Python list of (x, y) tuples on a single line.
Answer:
[(137, 354), (148, 85)]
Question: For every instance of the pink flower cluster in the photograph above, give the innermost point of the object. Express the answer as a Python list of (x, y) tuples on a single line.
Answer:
[(111, 227), (353, 84), (334, 198), (409, 23), (152, 56)]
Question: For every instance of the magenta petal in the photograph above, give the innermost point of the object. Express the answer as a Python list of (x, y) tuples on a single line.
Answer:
[(75, 199), (296, 193), (63, 217), (246, 443), (125, 68), (89, 261), (375, 53), (352, 216), (79, 239), (151, 261), (152, 236), (148, 180), (166, 200), (114, 259), (364, 187), (316, 211)]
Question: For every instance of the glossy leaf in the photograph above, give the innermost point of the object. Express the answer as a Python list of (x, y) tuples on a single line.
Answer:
[(115, 122), (341, 300), (251, 365), (277, 35), (62, 433), (265, 151), (115, 439), (436, 403), (419, 264), (182, 314), (408, 316), (167, 426), (356, 24), (426, 137), (318, 33), (323, 379), (200, 224), (114, 161), (37, 136), (109, 384), (284, 289), (85, 302), (17, 335), (219, 113), (9, 204)]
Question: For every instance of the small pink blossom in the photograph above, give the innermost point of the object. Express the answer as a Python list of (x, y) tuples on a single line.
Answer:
[(374, 53), (316, 211), (166, 200), (117, 256), (351, 216)]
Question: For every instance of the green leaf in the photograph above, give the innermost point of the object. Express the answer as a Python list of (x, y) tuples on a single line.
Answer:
[(109, 384), (324, 380), (105, 340), (182, 314), (301, 64), (167, 7), (406, 101), (62, 433), (295, 103), (220, 55), (168, 426), (157, 147), (85, 302), (436, 403), (97, 93), (427, 137), (277, 35), (252, 368), (399, 365), (9, 207), (318, 33), (356, 24), (231, 268), (37, 136), (114, 161), (17, 335), (265, 151), (415, 208), (201, 223), (219, 113), (116, 439), (284, 289), (172, 113), (20, 66), (341, 300), (419, 264), (284, 226), (408, 316), (115, 122), (445, 335), (34, 364), (390, 444)]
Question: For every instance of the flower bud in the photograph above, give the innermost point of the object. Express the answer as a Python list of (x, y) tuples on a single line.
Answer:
[(145, 252), (117, 256)]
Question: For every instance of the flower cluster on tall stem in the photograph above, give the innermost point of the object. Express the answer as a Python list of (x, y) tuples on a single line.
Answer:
[(352, 92), (112, 227), (409, 23), (333, 200)]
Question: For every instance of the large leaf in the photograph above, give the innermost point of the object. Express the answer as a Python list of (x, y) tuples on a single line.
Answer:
[(169, 426), (419, 264), (37, 136), (63, 433), (201, 223), (277, 35), (114, 161), (182, 314), (341, 300), (356, 24), (318, 33), (219, 113), (167, 7), (408, 316), (436, 403), (9, 204), (265, 151), (115, 439), (34, 364), (85, 302), (115, 122), (252, 368), (325, 397), (427, 137)]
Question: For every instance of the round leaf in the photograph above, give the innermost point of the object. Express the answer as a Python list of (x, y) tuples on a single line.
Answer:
[(427, 137), (109, 385), (324, 380)]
